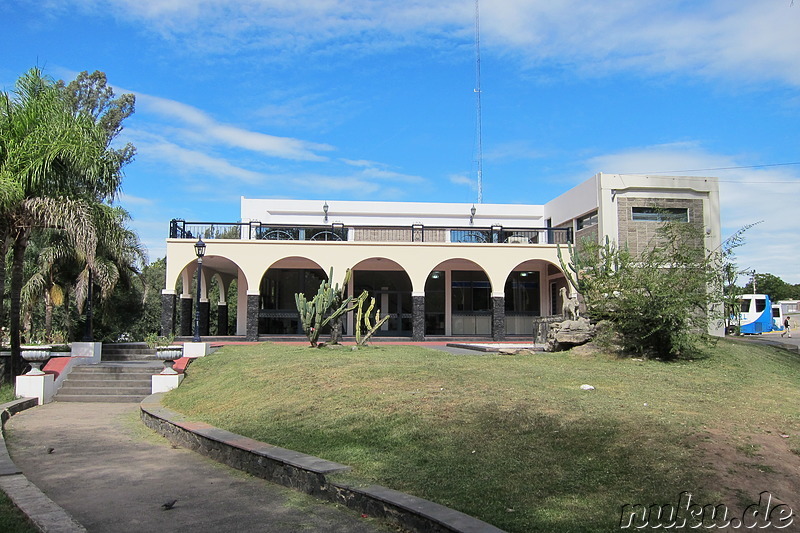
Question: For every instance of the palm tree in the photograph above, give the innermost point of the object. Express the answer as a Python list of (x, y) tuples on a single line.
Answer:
[(118, 259), (54, 164), (62, 269)]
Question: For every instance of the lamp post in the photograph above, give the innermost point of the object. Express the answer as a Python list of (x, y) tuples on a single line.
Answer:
[(199, 251), (88, 333)]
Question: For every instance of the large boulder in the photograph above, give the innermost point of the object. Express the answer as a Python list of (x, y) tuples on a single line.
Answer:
[(569, 333)]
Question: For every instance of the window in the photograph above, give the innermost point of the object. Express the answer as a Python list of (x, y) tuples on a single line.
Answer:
[(587, 221), (660, 214)]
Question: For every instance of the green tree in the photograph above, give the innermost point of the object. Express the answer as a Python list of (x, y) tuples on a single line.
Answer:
[(55, 163), (661, 301), (63, 269), (775, 287)]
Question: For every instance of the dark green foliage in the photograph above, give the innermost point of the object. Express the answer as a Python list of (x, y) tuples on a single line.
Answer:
[(661, 302), (774, 286)]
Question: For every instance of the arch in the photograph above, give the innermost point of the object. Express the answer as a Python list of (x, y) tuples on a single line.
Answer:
[(531, 290), (224, 271), (212, 265), (390, 284), (458, 299), (285, 277)]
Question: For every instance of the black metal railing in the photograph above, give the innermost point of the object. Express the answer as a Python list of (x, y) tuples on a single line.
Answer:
[(180, 229), (499, 234)]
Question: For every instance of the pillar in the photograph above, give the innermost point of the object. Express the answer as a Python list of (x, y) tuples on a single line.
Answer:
[(205, 312), (252, 317), (418, 318), (222, 319), (168, 311), (187, 316), (498, 318)]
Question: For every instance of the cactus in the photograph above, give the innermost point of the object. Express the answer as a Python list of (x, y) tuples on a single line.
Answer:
[(364, 318), (339, 298), (316, 313)]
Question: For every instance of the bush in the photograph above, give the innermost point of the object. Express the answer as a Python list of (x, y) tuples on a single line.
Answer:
[(660, 303)]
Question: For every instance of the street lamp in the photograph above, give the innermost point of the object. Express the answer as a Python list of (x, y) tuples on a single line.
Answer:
[(199, 251)]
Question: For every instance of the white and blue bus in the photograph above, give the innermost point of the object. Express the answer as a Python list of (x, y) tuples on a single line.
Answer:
[(756, 315)]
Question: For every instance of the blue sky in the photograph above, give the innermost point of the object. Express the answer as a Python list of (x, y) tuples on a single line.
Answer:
[(374, 100)]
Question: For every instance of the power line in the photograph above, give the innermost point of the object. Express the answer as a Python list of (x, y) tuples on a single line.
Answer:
[(718, 168)]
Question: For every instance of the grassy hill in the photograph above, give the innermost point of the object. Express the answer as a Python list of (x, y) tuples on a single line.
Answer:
[(514, 440)]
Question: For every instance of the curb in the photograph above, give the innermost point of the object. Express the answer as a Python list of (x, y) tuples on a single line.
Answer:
[(306, 473), (43, 512), (768, 342)]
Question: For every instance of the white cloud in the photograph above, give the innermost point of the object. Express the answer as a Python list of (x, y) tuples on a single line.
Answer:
[(460, 179), (128, 199), (187, 160), (202, 126), (747, 195), (737, 40)]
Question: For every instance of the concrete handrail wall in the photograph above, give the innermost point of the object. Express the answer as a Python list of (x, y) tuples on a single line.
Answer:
[(306, 473)]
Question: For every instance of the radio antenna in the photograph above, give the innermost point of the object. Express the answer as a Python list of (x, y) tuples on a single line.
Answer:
[(478, 125)]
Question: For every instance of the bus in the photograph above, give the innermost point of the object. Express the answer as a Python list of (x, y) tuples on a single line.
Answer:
[(756, 315)]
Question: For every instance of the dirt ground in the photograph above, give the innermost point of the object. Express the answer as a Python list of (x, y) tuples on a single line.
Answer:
[(744, 467)]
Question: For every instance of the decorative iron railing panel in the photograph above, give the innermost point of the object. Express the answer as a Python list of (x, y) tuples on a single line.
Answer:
[(181, 229)]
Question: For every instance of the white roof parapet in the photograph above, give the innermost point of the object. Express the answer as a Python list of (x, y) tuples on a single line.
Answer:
[(364, 213)]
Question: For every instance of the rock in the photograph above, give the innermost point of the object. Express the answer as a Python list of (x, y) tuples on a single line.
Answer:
[(587, 387), (569, 333)]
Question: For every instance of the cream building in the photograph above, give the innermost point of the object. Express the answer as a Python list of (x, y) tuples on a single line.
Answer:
[(437, 269)]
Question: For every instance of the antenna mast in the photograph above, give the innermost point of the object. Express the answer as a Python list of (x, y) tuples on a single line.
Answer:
[(479, 140)]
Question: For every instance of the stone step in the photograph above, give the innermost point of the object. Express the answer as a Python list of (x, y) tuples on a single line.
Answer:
[(99, 398), (134, 367), (107, 383), (97, 377), (118, 357), (105, 391)]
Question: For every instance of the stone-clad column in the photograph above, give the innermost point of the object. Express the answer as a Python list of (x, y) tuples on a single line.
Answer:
[(222, 319), (252, 317), (168, 312), (418, 318), (187, 316), (498, 318), (205, 312)]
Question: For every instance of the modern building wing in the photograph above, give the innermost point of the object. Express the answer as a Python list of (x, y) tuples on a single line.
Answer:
[(437, 269)]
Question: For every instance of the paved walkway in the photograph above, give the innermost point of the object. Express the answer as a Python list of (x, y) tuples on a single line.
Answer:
[(774, 338), (112, 473)]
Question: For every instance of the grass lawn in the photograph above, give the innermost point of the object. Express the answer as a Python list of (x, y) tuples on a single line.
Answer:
[(11, 519), (513, 440), (6, 392)]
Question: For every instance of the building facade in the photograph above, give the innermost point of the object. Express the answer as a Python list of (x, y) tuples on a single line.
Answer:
[(437, 269)]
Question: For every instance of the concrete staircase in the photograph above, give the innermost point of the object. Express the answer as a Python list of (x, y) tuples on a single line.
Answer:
[(127, 351), (120, 381)]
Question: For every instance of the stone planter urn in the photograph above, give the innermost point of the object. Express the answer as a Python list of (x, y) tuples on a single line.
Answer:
[(168, 354), (36, 356)]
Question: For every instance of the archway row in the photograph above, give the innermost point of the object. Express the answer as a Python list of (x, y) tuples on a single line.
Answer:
[(458, 299)]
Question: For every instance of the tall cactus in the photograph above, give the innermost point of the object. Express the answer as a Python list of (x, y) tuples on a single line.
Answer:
[(340, 295), (316, 314), (364, 318)]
